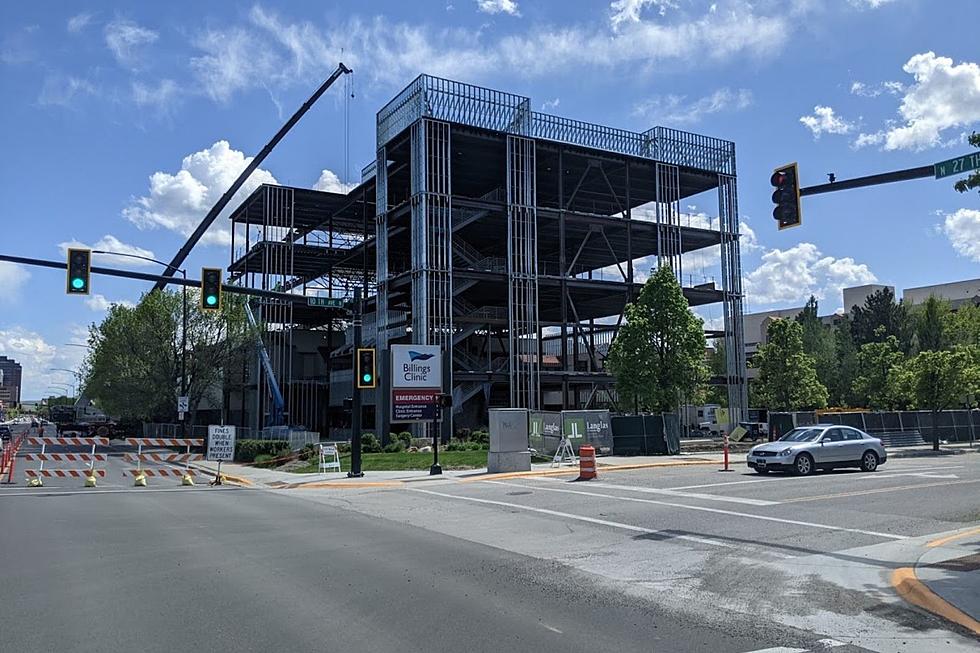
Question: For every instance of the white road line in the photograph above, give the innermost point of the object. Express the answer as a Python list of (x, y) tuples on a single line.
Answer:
[(901, 471), (719, 511), (551, 628), (830, 643), (780, 649), (753, 480), (566, 515), (686, 495)]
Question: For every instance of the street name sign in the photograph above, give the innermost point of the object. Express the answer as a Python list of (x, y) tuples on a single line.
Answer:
[(957, 166), (416, 382), (221, 443), (325, 302)]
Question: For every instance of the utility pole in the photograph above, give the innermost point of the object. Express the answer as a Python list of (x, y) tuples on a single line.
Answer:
[(355, 411)]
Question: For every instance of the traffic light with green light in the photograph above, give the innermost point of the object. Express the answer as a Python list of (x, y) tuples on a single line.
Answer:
[(365, 369), (211, 289), (786, 197), (79, 271)]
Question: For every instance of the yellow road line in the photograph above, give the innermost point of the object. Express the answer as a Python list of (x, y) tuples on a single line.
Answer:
[(877, 490), (946, 540), (910, 588)]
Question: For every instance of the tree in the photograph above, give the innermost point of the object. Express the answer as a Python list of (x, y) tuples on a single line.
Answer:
[(134, 363), (875, 384), (937, 380), (930, 321), (787, 377), (818, 342), (880, 310), (845, 355), (963, 326), (718, 366), (658, 354), (973, 181)]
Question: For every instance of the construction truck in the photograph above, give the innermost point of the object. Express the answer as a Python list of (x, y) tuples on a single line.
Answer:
[(81, 417)]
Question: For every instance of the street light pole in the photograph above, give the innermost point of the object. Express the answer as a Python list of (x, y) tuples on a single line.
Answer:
[(183, 331)]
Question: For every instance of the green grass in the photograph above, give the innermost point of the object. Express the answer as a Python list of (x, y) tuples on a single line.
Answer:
[(389, 462)]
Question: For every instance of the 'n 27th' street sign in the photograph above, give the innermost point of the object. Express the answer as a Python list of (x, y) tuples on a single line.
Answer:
[(957, 166)]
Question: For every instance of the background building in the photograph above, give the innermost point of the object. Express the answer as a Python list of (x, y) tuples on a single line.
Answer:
[(512, 238), (10, 381)]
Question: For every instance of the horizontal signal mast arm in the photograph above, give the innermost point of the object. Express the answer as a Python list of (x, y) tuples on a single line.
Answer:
[(143, 276), (871, 180)]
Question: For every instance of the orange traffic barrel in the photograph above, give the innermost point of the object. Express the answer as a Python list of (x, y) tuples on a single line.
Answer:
[(586, 462)]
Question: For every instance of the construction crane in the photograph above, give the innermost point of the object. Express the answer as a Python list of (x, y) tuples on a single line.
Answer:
[(182, 254)]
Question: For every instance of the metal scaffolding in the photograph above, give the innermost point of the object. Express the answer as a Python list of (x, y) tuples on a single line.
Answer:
[(512, 238)]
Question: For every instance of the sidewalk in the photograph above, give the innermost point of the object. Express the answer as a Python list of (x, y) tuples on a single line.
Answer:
[(946, 579)]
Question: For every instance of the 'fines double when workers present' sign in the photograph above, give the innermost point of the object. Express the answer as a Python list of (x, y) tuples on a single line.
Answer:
[(221, 443)]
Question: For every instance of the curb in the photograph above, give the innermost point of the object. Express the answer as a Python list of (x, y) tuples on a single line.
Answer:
[(914, 591), (237, 480)]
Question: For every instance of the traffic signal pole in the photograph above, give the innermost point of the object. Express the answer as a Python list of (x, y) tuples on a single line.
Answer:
[(871, 180), (355, 410)]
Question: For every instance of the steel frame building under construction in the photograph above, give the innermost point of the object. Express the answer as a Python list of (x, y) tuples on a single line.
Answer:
[(512, 238)]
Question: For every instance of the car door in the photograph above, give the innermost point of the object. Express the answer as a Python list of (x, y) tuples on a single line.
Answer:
[(832, 451), (853, 445)]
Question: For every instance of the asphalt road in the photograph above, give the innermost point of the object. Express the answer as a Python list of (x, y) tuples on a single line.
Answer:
[(667, 559), (243, 570)]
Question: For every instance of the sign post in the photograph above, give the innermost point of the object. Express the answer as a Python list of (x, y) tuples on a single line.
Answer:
[(221, 446)]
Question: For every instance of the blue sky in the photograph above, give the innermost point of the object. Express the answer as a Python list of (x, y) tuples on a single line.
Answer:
[(121, 122)]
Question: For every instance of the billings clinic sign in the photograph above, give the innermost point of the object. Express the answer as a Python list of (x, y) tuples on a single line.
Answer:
[(416, 381)]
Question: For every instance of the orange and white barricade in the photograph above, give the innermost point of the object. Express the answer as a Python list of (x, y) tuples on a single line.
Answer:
[(186, 474), (586, 462), (90, 473)]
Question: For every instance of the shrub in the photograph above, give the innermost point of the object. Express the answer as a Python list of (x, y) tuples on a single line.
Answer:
[(343, 447), (310, 452), (370, 443), (395, 446), (247, 450), (455, 445), (406, 437), (480, 436), (463, 433)]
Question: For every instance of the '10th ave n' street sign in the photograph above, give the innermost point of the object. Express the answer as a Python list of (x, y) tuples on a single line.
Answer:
[(957, 166)]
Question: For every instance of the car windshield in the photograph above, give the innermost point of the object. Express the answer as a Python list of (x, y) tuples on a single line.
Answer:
[(801, 435)]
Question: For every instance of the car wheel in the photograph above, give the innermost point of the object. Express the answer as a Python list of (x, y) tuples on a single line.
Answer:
[(869, 461), (803, 465)]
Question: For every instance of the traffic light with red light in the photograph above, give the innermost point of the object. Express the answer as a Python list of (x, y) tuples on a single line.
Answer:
[(786, 196), (211, 289), (79, 271), (365, 369)]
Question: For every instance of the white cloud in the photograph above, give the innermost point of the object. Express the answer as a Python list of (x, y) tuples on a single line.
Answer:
[(825, 121), (12, 279), (944, 96), (498, 7), (674, 109), (179, 201), (110, 243), (61, 90), (790, 276), (99, 303), (330, 182), (874, 90), (628, 11), (79, 22), (962, 228), (271, 51), (37, 357), (870, 4), (551, 105), (125, 39), (864, 140), (161, 97)]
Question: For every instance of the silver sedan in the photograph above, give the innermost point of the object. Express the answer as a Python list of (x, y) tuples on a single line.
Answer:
[(821, 446)]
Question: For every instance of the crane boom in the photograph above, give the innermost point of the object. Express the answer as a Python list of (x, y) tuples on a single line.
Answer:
[(182, 254)]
